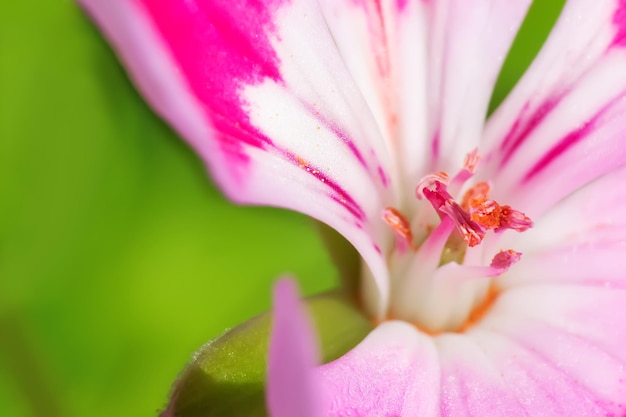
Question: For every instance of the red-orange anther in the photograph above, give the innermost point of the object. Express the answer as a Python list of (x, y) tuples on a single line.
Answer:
[(476, 195), (399, 224), (491, 215), (471, 160)]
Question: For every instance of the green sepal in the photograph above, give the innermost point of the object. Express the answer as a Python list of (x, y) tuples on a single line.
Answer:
[(226, 377)]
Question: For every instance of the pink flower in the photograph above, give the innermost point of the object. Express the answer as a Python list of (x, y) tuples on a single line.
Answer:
[(494, 252)]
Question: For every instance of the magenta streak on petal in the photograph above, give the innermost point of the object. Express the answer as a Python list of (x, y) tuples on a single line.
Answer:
[(343, 136), (378, 36), (515, 137), (434, 145), (569, 140), (514, 128), (382, 58), (619, 20), (401, 4), (219, 46), (559, 148), (337, 131), (383, 177), (345, 139), (339, 194)]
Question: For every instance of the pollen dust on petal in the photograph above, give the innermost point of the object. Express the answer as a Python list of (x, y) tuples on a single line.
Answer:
[(301, 162)]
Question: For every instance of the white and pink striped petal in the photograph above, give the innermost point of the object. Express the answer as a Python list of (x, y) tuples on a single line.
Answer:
[(427, 70), (260, 90), (563, 125)]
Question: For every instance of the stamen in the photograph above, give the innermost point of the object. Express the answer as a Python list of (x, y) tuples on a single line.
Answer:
[(469, 167), (447, 285), (426, 260), (471, 160), (500, 263), (443, 202), (489, 214), (401, 226), (429, 181), (504, 259), (476, 195), (471, 231), (435, 243), (436, 193), (514, 219)]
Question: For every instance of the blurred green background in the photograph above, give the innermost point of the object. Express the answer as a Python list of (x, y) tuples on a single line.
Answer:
[(118, 257)]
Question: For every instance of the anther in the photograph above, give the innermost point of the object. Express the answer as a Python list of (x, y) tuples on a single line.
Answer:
[(471, 160), (491, 215), (429, 181), (400, 226), (505, 258)]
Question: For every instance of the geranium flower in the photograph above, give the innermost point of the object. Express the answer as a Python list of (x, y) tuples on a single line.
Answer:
[(494, 253)]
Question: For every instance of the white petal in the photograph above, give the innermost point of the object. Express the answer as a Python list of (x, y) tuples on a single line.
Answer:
[(427, 70), (468, 43)]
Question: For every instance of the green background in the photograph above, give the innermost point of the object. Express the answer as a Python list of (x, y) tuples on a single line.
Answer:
[(118, 257)]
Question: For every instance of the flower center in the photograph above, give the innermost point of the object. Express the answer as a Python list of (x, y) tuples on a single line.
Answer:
[(445, 260)]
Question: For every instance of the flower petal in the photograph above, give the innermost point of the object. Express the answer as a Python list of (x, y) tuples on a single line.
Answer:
[(563, 126), (393, 372), (563, 356), (260, 90), (426, 69), (292, 388), (467, 45), (579, 241), (471, 385), (384, 46)]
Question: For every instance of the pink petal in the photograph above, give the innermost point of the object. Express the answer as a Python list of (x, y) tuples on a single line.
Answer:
[(393, 372), (563, 356), (292, 387), (579, 241), (260, 90), (471, 384), (563, 125)]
